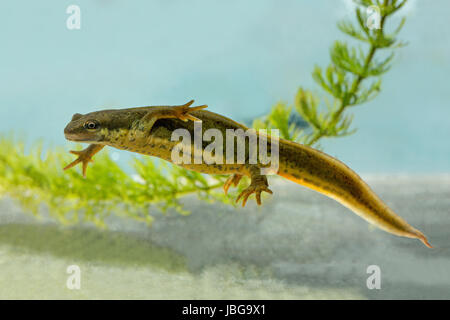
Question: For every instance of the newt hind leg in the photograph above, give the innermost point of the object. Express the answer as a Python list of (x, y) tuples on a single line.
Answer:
[(257, 185), (232, 180)]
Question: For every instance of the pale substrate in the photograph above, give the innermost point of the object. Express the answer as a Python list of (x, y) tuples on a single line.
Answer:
[(298, 245)]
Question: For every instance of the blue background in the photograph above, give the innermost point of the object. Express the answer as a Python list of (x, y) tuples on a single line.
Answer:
[(239, 57)]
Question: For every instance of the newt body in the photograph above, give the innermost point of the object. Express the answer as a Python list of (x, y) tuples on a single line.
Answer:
[(148, 130)]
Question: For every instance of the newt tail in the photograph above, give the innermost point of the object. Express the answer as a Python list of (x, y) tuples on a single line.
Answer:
[(329, 176)]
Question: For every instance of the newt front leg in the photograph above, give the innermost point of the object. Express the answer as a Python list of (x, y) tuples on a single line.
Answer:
[(141, 128), (166, 112), (85, 156)]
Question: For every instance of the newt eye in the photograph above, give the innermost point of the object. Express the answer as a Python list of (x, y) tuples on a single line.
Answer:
[(91, 125)]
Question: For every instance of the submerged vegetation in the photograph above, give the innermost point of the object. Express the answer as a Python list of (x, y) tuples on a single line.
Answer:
[(353, 77), (35, 178)]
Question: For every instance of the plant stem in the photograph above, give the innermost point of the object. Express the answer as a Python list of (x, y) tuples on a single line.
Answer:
[(345, 102)]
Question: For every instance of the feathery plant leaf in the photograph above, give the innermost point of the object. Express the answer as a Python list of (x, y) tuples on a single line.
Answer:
[(34, 179), (345, 78)]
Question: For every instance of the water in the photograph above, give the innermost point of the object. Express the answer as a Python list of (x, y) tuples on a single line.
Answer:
[(240, 58)]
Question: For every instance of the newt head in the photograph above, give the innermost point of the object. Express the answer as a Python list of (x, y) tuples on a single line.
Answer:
[(83, 128), (95, 127)]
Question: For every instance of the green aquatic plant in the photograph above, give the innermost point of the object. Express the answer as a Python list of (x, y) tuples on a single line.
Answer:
[(35, 178), (352, 78)]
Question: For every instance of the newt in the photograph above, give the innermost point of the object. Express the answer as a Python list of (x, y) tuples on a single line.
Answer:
[(148, 131)]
